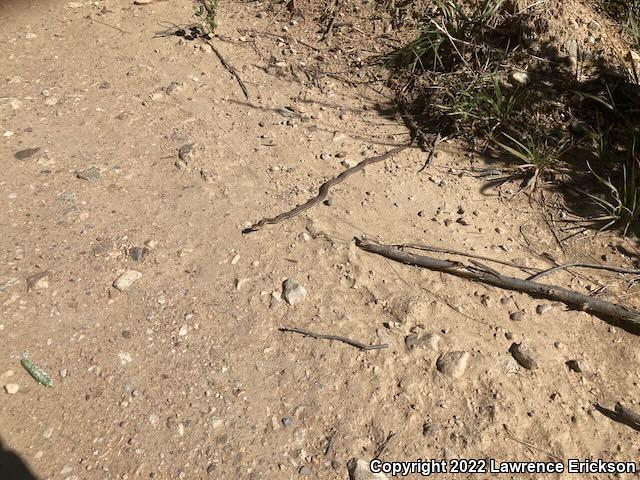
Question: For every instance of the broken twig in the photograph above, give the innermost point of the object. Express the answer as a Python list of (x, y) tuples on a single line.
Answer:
[(229, 68), (606, 310), (320, 336), (595, 266), (428, 248), (529, 446)]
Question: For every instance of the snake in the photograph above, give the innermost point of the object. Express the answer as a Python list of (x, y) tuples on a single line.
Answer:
[(324, 190)]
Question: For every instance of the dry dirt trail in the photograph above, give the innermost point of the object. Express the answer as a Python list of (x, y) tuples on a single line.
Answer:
[(184, 374)]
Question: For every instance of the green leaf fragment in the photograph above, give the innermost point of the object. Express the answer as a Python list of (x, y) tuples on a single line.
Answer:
[(38, 375)]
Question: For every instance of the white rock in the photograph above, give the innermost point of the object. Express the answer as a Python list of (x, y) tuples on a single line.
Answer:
[(359, 470), (521, 77), (124, 281), (293, 292), (453, 364), (12, 388), (184, 329)]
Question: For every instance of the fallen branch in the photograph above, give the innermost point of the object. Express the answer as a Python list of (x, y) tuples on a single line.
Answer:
[(320, 336), (595, 266), (230, 69), (601, 308), (324, 191)]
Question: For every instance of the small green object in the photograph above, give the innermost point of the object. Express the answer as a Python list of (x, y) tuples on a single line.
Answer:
[(37, 374)]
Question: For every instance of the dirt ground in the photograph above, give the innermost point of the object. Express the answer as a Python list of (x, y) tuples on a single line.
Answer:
[(184, 373)]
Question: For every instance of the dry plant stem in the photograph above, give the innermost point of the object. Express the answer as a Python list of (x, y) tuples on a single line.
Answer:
[(595, 266), (601, 308), (627, 414), (529, 446), (324, 190), (230, 69), (428, 248), (346, 340)]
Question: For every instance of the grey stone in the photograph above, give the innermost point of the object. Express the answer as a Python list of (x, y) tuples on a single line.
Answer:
[(525, 356), (507, 363), (90, 174), (293, 292), (26, 154), (578, 366), (517, 316), (287, 421), (453, 364), (174, 87), (138, 253), (304, 471), (429, 341), (187, 152)]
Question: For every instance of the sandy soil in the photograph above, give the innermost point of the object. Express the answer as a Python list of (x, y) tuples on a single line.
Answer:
[(184, 374)]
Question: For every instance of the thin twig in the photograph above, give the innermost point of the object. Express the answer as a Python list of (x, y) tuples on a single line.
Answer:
[(88, 17), (427, 248), (285, 5), (229, 68), (384, 445), (346, 340), (328, 31), (529, 446), (595, 266)]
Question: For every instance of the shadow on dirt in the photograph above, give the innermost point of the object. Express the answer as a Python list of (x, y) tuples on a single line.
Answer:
[(12, 467), (574, 114)]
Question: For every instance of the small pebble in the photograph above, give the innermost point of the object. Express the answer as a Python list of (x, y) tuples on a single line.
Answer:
[(304, 471), (138, 254), (287, 421), (90, 174), (11, 388), (578, 366), (128, 278), (517, 316), (524, 356), (453, 364), (543, 308), (359, 470), (429, 341), (293, 292)]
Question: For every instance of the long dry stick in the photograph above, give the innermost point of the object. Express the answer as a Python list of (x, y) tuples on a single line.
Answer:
[(601, 308), (346, 340), (230, 69)]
